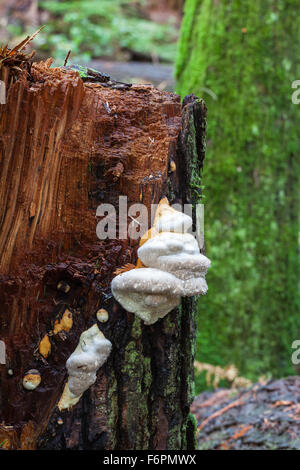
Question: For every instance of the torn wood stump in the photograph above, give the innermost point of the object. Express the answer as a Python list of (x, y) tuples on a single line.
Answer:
[(67, 147)]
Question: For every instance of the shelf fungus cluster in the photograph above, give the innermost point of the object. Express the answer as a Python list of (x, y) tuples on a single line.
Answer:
[(170, 266), (90, 354)]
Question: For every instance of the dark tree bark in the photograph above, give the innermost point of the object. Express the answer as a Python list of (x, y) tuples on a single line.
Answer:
[(67, 147)]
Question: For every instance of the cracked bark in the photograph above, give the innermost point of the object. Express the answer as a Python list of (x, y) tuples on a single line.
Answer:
[(67, 147)]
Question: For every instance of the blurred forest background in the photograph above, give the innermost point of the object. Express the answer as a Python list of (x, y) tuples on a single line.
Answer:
[(241, 57)]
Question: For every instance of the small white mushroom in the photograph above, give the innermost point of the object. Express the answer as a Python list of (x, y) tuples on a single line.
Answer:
[(102, 315), (31, 379), (92, 351)]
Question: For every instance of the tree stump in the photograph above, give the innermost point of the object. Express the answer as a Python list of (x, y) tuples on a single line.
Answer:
[(66, 147), (262, 417)]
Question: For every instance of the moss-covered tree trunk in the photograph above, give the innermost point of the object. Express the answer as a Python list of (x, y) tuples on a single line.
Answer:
[(242, 57), (67, 147)]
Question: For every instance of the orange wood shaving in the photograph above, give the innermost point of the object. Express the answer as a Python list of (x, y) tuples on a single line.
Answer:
[(238, 433), (123, 269), (282, 403), (241, 432), (221, 395)]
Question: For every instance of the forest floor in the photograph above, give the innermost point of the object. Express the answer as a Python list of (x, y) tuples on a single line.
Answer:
[(263, 417)]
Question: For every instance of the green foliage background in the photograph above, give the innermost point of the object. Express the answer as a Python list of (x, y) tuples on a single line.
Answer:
[(104, 28), (247, 54)]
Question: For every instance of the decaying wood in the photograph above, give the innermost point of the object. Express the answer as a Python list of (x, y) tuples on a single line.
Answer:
[(263, 417), (67, 147)]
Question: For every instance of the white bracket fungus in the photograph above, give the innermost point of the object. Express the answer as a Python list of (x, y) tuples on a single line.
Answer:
[(148, 292), (91, 353), (173, 268)]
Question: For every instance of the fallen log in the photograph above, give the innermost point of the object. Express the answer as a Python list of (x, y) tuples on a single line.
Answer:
[(263, 417)]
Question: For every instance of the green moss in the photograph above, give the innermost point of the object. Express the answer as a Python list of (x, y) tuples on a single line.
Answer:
[(136, 373), (106, 28), (246, 53), (136, 329), (192, 428)]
